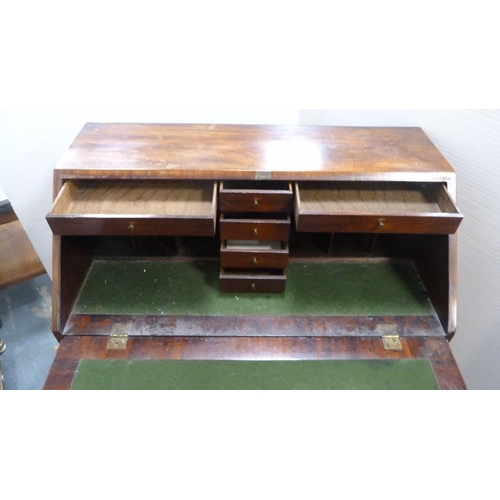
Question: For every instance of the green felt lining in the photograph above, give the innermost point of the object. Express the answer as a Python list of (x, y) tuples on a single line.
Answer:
[(406, 374), (130, 287)]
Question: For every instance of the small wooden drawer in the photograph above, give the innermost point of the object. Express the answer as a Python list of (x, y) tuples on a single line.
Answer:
[(247, 281), (142, 207), (254, 254), (375, 207), (255, 196), (274, 228)]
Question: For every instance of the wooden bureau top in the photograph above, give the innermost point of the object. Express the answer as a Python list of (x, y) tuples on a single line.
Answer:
[(118, 150)]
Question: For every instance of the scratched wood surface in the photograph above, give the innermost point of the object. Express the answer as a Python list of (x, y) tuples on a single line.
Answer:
[(245, 152), (73, 349)]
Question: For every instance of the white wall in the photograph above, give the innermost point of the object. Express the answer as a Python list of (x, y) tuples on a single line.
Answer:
[(470, 141)]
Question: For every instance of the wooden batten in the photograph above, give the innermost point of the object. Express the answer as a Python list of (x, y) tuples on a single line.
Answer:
[(19, 260)]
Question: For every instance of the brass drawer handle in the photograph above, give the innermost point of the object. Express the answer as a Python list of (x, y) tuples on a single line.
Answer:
[(131, 227), (255, 203), (255, 232), (255, 261)]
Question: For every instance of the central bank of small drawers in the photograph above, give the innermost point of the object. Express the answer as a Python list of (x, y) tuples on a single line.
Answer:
[(254, 231)]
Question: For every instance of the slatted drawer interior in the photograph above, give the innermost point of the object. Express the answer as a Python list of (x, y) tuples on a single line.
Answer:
[(392, 207), (141, 207)]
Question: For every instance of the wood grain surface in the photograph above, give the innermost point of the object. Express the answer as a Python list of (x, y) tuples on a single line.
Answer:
[(142, 152), (73, 349), (248, 152)]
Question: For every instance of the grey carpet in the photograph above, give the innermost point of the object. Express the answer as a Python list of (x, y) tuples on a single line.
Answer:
[(25, 311)]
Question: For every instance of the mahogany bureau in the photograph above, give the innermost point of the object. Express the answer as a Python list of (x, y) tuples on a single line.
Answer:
[(253, 242)]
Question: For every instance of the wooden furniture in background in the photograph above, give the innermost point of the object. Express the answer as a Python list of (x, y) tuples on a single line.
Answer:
[(18, 259)]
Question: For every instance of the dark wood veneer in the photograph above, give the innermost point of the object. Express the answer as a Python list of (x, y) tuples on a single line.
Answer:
[(73, 349), (244, 158)]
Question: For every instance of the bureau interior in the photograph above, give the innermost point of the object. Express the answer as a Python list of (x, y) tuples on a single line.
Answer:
[(428, 253), (423, 254)]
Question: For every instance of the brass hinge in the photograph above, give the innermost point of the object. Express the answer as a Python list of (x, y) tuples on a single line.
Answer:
[(119, 336), (390, 337), (392, 343)]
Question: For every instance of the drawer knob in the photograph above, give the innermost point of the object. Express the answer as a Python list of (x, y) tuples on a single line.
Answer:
[(255, 261), (252, 286), (381, 224), (255, 203), (255, 232), (131, 227)]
